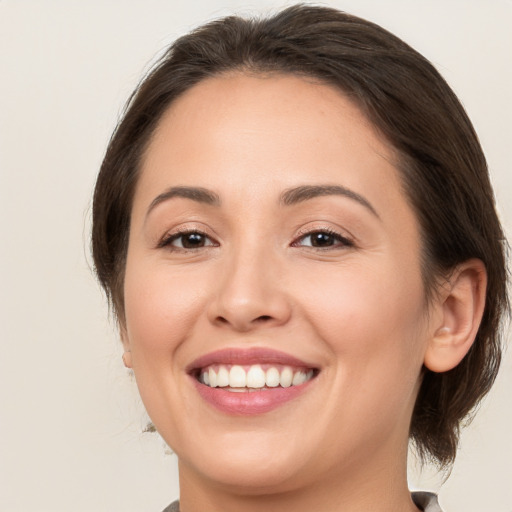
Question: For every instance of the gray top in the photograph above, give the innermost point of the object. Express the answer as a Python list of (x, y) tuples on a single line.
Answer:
[(426, 501), (173, 507)]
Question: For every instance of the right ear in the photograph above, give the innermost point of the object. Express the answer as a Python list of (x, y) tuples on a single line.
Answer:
[(127, 354)]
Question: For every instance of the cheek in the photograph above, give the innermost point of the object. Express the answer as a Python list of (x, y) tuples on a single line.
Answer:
[(368, 313), (372, 321), (161, 307)]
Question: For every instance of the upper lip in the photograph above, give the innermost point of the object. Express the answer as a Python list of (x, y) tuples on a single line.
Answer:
[(247, 356)]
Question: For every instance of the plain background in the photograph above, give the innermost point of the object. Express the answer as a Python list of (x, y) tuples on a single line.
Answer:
[(70, 420)]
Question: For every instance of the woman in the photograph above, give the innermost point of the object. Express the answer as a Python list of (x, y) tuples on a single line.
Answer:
[(295, 226)]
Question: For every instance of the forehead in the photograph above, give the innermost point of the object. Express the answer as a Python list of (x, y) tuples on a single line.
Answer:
[(252, 105), (241, 133)]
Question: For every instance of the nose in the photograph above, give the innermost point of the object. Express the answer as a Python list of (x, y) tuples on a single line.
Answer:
[(251, 293)]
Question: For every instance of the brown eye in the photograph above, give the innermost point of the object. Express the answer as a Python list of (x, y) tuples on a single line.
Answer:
[(188, 240), (323, 239), (192, 240)]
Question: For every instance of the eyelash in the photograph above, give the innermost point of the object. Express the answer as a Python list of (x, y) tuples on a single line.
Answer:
[(340, 240), (169, 239)]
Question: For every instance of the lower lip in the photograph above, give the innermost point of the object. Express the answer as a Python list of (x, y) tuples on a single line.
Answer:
[(249, 403)]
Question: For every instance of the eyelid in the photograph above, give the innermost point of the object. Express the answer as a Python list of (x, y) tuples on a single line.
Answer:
[(173, 234), (346, 239)]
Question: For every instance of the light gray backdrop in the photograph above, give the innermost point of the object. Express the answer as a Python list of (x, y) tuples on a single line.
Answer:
[(70, 421)]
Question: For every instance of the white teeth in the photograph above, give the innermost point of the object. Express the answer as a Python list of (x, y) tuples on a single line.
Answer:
[(222, 377), (255, 377), (212, 377), (299, 378), (236, 378), (272, 377), (286, 377)]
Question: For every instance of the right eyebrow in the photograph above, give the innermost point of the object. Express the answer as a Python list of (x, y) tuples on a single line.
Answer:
[(199, 194)]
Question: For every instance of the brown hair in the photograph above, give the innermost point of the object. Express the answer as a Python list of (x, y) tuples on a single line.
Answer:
[(442, 165)]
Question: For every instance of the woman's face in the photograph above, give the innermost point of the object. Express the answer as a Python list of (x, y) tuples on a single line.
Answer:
[(271, 242)]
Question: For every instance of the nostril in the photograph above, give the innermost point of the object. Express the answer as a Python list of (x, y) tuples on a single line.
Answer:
[(263, 318)]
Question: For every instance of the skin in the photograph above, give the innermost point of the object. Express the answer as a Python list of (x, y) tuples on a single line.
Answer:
[(355, 310)]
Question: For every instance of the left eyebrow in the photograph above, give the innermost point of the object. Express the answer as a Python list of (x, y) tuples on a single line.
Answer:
[(306, 192)]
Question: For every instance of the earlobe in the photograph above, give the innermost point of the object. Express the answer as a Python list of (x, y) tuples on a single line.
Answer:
[(127, 355), (127, 359), (463, 303)]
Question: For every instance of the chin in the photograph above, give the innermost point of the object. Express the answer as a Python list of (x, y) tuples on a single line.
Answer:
[(249, 478), (250, 463)]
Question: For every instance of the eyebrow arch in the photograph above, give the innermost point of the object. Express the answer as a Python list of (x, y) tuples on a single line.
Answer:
[(199, 194), (306, 192)]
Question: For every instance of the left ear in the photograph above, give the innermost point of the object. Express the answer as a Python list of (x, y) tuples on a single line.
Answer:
[(127, 354), (462, 306)]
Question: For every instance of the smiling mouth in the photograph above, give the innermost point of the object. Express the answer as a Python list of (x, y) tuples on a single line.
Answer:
[(250, 381), (255, 377)]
